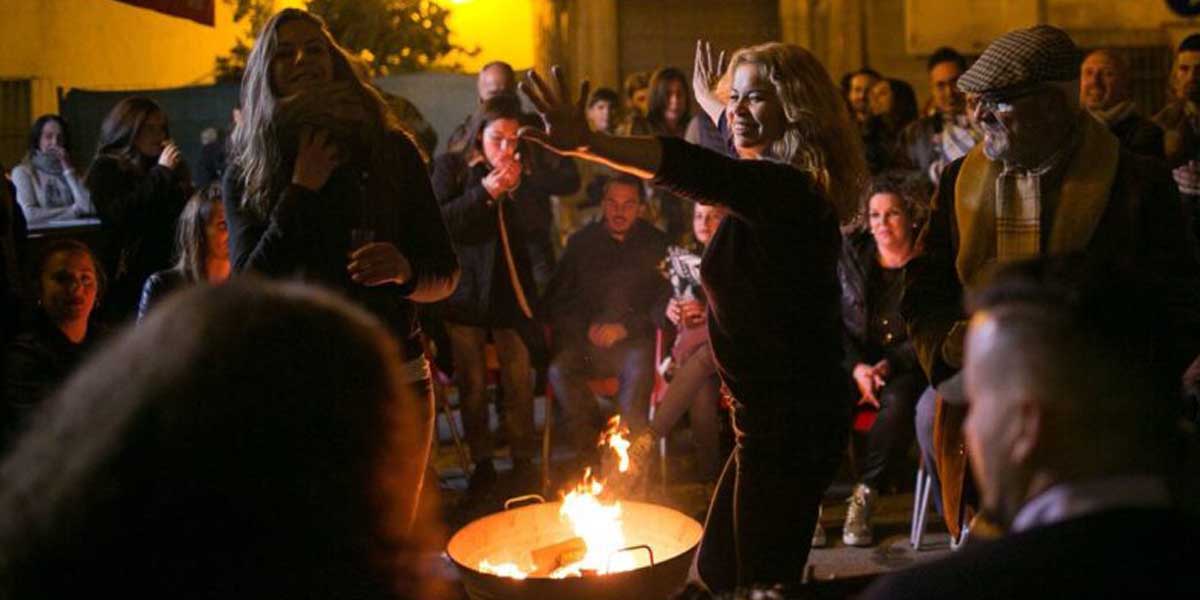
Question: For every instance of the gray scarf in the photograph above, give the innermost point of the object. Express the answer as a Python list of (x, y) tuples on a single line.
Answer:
[(50, 179)]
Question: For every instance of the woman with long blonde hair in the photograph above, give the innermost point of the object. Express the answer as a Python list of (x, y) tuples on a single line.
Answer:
[(770, 275), (326, 186)]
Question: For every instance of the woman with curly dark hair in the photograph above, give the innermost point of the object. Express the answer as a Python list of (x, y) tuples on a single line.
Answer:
[(879, 355)]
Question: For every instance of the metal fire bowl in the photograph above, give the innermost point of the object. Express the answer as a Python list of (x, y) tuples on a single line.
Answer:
[(509, 536)]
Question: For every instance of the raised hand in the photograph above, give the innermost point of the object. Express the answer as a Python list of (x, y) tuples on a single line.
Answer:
[(705, 75), (169, 157), (567, 128), (316, 160)]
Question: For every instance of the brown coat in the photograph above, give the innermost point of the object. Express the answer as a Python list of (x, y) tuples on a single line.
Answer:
[(1137, 224)]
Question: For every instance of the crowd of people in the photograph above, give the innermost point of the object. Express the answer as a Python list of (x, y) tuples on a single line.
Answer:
[(785, 252)]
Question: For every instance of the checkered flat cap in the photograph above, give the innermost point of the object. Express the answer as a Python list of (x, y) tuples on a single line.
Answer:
[(1021, 58)]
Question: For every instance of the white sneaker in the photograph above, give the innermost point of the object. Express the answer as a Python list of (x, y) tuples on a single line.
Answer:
[(857, 530)]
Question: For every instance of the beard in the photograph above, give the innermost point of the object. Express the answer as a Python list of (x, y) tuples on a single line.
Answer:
[(997, 143)]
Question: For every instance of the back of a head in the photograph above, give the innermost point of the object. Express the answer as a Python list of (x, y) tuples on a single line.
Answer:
[(1088, 343), (232, 444)]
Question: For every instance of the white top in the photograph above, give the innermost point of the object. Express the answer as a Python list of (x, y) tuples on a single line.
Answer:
[(1077, 499), (50, 197)]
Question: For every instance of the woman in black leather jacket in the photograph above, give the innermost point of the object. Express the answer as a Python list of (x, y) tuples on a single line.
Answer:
[(201, 249), (879, 355)]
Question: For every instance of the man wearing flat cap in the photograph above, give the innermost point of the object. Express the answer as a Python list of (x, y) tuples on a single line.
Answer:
[(1048, 179)]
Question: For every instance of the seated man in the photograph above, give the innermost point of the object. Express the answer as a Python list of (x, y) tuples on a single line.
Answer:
[(1071, 430), (598, 303), (1047, 180)]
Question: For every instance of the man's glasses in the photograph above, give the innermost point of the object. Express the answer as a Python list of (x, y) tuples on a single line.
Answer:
[(999, 103)]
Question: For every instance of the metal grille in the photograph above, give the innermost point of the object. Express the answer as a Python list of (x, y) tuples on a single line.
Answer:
[(15, 118)]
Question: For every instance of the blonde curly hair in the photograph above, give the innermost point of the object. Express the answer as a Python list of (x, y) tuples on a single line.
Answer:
[(819, 137)]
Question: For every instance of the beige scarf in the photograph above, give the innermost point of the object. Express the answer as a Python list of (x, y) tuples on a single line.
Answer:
[(1082, 199)]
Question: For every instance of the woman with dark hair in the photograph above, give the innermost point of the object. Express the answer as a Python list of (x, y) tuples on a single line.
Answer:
[(893, 105), (770, 277), (668, 114), (68, 287), (894, 102), (479, 188), (201, 249), (47, 186), (326, 185), (695, 386), (139, 183), (270, 453), (879, 355)]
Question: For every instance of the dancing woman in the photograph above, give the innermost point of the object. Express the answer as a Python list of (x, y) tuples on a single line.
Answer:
[(770, 275), (326, 186)]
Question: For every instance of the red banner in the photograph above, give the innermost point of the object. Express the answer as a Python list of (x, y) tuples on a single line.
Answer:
[(200, 11)]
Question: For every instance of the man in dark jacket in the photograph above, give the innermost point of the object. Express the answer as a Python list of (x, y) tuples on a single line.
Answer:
[(1180, 121), (936, 140), (1080, 487), (598, 305), (1047, 180), (1104, 92)]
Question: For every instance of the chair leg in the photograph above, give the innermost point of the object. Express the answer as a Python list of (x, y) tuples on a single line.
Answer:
[(914, 528), (464, 457), (662, 463), (923, 509)]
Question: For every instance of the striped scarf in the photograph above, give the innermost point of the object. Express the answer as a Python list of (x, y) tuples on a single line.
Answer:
[(1019, 199)]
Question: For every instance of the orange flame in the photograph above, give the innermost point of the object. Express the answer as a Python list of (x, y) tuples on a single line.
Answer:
[(599, 525), (504, 570), (615, 437)]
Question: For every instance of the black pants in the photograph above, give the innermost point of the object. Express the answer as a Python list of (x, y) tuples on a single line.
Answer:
[(892, 432), (761, 518)]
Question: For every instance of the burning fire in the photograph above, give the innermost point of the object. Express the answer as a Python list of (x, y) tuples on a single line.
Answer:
[(597, 525)]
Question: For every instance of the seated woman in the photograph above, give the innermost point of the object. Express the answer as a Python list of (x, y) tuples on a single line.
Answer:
[(283, 468), (48, 188), (879, 354), (201, 248), (68, 286), (695, 386)]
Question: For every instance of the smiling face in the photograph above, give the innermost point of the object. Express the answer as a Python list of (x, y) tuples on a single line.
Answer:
[(943, 88), (1102, 82), (754, 111), (69, 286), (302, 58)]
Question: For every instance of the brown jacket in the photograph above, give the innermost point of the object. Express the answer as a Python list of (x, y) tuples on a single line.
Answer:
[(1137, 224)]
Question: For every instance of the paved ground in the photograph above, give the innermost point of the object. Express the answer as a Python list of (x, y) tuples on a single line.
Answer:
[(836, 561)]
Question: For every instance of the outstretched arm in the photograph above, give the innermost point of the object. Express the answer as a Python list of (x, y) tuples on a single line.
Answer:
[(567, 130)]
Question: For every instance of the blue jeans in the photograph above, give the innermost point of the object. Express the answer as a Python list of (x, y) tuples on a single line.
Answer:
[(926, 409), (631, 361)]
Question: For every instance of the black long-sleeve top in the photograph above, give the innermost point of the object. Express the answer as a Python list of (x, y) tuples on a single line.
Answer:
[(871, 297), (600, 280), (307, 236), (139, 211), (770, 275)]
